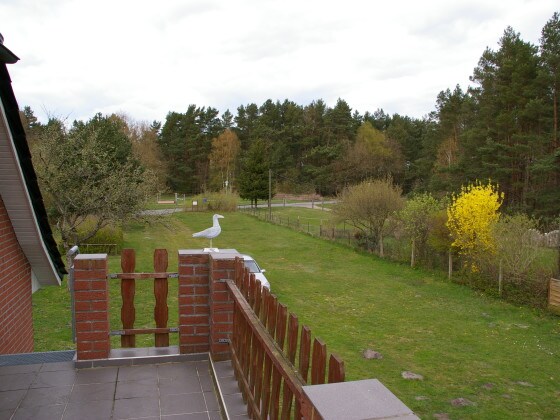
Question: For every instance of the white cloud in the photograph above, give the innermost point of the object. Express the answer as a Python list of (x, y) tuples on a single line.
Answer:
[(147, 58)]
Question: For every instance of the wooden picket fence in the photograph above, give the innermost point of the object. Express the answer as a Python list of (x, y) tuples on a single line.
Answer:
[(554, 294), (128, 289), (264, 349)]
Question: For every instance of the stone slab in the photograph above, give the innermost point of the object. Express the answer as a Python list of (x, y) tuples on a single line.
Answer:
[(357, 400)]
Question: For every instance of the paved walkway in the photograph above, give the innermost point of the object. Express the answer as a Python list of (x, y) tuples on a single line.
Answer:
[(177, 390)]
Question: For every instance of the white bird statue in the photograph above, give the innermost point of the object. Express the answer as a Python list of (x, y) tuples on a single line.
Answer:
[(211, 232)]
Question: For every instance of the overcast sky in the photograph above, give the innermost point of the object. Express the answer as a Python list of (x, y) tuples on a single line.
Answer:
[(146, 58)]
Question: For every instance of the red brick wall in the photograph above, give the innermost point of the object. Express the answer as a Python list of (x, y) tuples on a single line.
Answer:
[(16, 314), (194, 308), (91, 305), (205, 306)]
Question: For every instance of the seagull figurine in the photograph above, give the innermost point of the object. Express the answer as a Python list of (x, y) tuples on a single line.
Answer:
[(211, 232)]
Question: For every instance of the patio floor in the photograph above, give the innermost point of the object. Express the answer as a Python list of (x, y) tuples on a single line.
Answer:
[(166, 390)]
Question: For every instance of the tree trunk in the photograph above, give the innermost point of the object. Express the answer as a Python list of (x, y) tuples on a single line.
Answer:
[(449, 264), (412, 260), (500, 278), (381, 253)]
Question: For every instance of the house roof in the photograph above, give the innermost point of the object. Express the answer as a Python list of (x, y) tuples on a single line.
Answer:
[(19, 188)]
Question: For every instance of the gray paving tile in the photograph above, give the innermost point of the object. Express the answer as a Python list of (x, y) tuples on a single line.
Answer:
[(132, 408), (229, 385), (176, 370), (235, 405), (10, 370), (56, 378), (215, 415), (16, 381), (89, 410), (97, 375), (151, 418), (59, 390), (47, 396), (6, 414), (137, 373), (206, 383), (135, 389), (49, 412), (182, 404), (223, 369), (202, 367), (50, 367), (168, 386), (92, 392), (194, 416), (11, 399), (211, 401)]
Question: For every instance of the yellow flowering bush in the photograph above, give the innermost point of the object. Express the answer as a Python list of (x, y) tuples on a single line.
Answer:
[(471, 216)]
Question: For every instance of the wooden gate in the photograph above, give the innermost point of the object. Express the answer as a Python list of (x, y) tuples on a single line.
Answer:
[(128, 289)]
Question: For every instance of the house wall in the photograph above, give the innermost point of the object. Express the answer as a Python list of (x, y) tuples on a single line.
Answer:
[(16, 314)]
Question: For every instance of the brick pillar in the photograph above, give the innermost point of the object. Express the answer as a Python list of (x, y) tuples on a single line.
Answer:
[(194, 311), (222, 268), (91, 306)]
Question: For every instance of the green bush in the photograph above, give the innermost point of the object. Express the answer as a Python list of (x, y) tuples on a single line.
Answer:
[(216, 202), (108, 240)]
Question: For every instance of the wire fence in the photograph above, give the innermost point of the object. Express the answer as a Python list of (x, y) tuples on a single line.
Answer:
[(531, 289), (317, 227)]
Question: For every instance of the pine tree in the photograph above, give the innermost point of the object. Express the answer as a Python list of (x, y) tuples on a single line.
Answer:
[(253, 178), (505, 136)]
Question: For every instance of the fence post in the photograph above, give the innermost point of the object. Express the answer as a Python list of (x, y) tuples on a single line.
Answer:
[(128, 290), (161, 311), (91, 306)]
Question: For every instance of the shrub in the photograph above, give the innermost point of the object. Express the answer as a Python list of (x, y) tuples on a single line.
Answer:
[(109, 239), (217, 201), (470, 218), (416, 218), (367, 206)]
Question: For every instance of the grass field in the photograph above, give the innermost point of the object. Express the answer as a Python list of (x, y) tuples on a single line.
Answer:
[(502, 358)]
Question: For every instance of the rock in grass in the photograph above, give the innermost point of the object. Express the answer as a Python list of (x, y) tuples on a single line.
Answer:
[(489, 385), (524, 383), (461, 402), (412, 376), (371, 354)]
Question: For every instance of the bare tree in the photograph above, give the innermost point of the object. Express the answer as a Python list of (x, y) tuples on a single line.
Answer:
[(367, 206), (517, 243)]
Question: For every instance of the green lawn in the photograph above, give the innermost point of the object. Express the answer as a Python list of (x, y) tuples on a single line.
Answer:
[(503, 358)]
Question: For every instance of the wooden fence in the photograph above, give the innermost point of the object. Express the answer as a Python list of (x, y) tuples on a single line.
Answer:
[(264, 350), (128, 289)]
